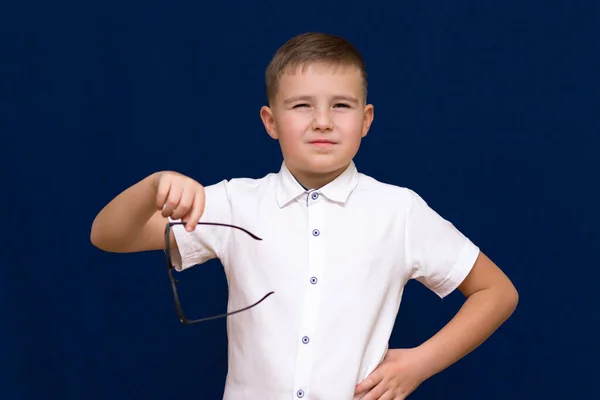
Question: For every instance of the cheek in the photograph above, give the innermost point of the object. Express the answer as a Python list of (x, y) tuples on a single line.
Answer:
[(350, 125), (290, 130), (293, 126)]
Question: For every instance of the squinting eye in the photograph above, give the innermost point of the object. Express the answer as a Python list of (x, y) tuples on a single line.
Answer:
[(343, 105), (301, 105)]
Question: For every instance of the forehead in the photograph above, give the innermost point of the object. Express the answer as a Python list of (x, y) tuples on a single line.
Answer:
[(316, 79)]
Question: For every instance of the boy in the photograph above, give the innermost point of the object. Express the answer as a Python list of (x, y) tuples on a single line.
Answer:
[(337, 249)]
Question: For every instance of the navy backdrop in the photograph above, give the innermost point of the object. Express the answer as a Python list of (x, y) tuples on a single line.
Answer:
[(489, 110)]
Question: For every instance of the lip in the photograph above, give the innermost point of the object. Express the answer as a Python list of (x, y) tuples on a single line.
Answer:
[(322, 142)]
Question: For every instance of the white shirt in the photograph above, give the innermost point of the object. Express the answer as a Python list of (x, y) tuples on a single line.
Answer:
[(337, 258)]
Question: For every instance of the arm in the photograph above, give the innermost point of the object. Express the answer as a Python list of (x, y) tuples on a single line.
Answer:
[(491, 299), (135, 220), (439, 256)]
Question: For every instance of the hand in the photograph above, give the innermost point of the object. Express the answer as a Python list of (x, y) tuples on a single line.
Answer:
[(179, 197), (398, 375)]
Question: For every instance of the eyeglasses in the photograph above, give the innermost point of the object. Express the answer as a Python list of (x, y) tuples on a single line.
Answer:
[(174, 282)]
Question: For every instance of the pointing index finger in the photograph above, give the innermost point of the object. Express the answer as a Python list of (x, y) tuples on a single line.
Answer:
[(197, 210), (164, 186)]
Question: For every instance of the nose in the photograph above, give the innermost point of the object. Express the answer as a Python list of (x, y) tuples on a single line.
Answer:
[(322, 120)]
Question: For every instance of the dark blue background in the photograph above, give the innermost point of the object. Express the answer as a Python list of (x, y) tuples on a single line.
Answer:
[(489, 110)]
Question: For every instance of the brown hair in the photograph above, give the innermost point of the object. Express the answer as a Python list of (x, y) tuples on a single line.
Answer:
[(310, 48)]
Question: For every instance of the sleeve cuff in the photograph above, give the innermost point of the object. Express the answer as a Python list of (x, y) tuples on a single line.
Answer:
[(188, 253), (459, 271)]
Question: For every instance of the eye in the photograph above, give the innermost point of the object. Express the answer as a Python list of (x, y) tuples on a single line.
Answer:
[(300, 105), (342, 105)]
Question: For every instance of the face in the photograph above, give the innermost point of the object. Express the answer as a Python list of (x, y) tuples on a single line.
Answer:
[(319, 116)]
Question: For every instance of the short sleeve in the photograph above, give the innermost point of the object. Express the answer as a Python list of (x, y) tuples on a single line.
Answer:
[(206, 241), (438, 255)]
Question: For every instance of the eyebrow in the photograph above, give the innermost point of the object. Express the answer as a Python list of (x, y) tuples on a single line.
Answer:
[(293, 99)]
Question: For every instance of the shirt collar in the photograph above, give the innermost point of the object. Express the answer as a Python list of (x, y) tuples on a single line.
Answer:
[(338, 190)]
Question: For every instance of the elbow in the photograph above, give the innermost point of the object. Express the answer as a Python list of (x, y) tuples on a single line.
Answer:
[(110, 240), (95, 240), (98, 239), (510, 299), (515, 298)]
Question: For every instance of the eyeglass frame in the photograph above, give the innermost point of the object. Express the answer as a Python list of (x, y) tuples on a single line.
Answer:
[(182, 318)]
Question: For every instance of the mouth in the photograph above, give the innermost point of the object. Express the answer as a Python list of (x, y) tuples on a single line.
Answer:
[(322, 142)]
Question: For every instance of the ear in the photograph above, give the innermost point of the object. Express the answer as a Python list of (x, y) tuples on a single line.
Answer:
[(266, 114), (368, 116)]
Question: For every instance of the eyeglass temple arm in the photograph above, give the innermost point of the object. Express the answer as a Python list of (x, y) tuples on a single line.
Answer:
[(193, 321), (219, 224), (181, 316)]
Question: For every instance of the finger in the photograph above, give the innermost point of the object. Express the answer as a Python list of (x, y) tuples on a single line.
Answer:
[(377, 392), (196, 212), (185, 203), (162, 192), (370, 381), (389, 395), (172, 199)]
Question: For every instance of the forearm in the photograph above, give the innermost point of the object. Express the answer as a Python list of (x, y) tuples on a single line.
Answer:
[(122, 220), (481, 314)]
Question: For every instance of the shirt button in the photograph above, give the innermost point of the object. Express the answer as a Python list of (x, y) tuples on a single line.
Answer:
[(313, 280), (316, 232), (300, 393), (305, 340), (314, 196)]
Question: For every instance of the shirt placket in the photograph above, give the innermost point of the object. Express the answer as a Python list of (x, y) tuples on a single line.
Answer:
[(317, 233)]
